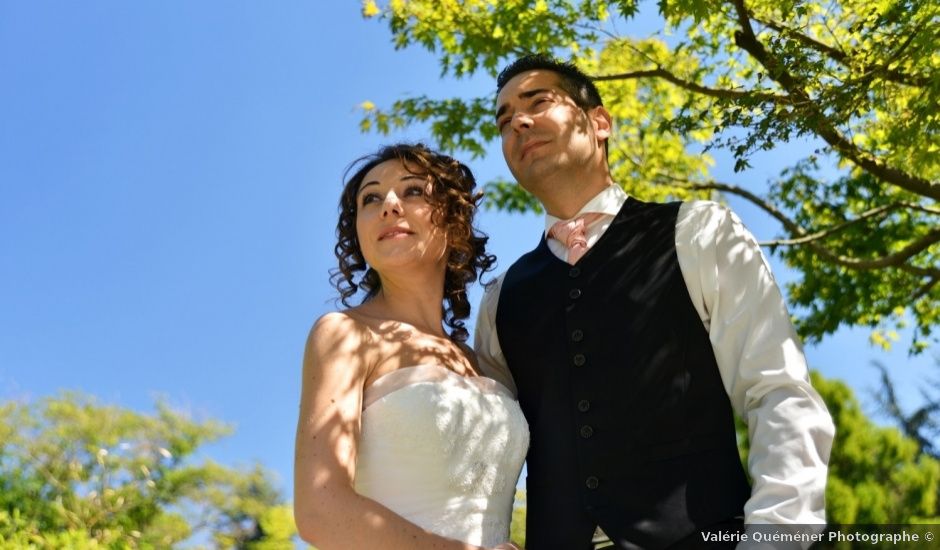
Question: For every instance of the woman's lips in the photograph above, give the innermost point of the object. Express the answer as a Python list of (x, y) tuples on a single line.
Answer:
[(394, 233)]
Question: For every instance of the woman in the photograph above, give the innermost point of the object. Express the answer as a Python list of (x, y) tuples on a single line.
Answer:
[(401, 444)]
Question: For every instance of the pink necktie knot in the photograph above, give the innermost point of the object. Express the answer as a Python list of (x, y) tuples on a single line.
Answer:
[(573, 234)]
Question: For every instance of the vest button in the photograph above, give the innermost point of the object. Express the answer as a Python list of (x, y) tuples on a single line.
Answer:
[(584, 405), (574, 272), (574, 293), (587, 432), (577, 335), (578, 360), (592, 482)]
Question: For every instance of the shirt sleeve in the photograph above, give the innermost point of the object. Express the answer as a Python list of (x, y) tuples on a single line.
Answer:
[(492, 362), (761, 362)]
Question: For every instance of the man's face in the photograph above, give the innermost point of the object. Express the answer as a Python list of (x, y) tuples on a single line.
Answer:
[(542, 128)]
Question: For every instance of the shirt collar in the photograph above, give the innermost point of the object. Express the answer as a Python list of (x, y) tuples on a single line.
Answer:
[(608, 202)]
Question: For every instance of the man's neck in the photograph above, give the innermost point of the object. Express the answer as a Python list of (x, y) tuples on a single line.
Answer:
[(566, 201)]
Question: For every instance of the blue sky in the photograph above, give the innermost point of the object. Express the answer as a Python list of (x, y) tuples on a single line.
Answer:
[(169, 174)]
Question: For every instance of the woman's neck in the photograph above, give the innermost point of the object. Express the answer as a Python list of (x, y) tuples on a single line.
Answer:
[(414, 300)]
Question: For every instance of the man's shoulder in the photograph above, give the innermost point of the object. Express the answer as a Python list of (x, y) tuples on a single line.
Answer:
[(635, 208), (703, 214), (491, 288)]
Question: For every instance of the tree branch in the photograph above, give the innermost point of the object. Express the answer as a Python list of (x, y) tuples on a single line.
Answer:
[(832, 52), (843, 58), (920, 271), (746, 40), (697, 88), (922, 208), (879, 211), (897, 259), (923, 290)]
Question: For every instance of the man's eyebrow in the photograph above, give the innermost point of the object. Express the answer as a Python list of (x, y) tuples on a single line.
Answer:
[(524, 95)]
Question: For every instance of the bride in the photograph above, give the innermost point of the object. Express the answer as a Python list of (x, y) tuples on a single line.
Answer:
[(401, 443)]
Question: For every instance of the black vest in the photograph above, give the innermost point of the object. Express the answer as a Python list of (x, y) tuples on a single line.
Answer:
[(631, 428)]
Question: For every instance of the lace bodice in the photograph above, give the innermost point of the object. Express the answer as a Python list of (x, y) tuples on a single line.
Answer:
[(444, 451)]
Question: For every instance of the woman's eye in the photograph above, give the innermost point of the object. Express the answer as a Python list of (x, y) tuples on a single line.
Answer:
[(414, 191), (369, 198)]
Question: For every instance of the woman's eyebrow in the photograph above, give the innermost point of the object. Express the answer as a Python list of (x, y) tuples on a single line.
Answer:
[(366, 184)]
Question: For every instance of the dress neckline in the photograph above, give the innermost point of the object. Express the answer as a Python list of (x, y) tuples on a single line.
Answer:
[(398, 379)]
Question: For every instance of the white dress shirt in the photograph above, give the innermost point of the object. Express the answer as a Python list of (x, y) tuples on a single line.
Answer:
[(758, 353)]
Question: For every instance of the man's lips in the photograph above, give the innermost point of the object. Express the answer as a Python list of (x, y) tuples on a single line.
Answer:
[(394, 232), (530, 146)]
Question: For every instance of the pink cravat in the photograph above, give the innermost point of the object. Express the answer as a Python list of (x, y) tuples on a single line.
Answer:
[(571, 233)]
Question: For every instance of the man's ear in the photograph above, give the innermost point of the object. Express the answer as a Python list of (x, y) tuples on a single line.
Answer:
[(601, 120)]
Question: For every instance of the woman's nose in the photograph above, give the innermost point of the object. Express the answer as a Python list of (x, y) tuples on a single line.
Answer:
[(391, 205)]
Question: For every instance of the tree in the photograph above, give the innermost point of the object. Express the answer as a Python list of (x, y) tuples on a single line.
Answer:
[(77, 474), (877, 475), (860, 77), (922, 425)]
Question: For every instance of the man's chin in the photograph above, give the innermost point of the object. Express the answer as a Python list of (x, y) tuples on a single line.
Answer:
[(534, 173)]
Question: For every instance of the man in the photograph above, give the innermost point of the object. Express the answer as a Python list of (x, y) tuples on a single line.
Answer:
[(631, 332)]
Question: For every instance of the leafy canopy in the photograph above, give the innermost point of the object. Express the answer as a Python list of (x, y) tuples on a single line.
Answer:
[(858, 77), (78, 474)]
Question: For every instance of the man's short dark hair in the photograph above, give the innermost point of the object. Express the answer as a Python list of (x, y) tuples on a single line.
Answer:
[(574, 82)]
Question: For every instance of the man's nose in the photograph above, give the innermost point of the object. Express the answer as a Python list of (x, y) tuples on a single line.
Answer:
[(521, 121), (391, 205)]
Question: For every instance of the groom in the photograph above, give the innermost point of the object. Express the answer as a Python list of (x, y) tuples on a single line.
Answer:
[(632, 332)]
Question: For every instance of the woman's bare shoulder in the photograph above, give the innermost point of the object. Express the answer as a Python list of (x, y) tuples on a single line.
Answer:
[(337, 335)]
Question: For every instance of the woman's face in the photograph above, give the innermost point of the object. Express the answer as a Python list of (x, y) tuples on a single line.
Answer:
[(393, 219)]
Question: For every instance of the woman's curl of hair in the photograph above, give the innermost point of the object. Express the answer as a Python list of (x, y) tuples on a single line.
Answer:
[(454, 202)]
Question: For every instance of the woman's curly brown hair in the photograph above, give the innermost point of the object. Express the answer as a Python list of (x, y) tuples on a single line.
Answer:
[(454, 202)]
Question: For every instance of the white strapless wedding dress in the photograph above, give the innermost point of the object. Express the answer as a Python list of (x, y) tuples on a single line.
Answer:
[(443, 451)]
